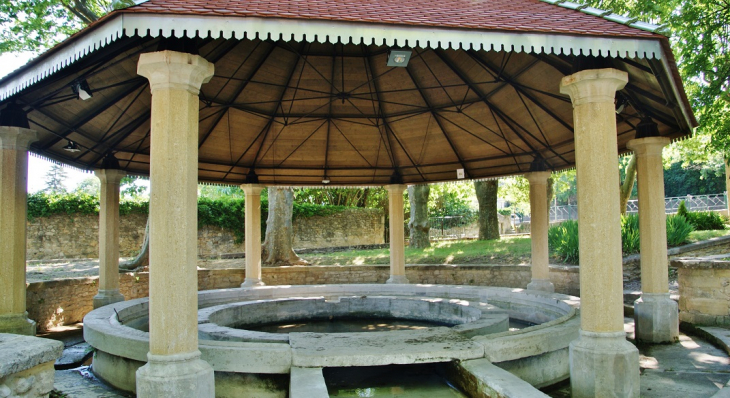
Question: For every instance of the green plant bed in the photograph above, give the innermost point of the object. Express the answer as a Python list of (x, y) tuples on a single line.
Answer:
[(512, 250), (698, 236)]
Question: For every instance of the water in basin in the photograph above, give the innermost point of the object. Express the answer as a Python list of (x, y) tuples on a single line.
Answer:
[(342, 325), (408, 381)]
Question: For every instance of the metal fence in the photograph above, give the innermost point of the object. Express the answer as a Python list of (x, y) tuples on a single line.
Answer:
[(716, 202), (447, 227)]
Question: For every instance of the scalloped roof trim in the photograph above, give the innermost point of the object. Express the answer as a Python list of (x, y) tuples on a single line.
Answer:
[(154, 25)]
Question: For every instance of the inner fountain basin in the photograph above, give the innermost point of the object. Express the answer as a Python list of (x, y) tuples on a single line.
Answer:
[(537, 354)]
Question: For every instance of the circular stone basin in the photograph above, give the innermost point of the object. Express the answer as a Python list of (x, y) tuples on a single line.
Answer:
[(234, 322), (538, 354)]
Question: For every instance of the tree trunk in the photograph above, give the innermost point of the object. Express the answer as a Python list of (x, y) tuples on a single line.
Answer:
[(277, 246), (628, 184), (487, 196), (142, 258), (418, 226)]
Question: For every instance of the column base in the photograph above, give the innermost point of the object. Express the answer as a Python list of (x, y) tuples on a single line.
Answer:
[(604, 365), (106, 297), (397, 279), (179, 375), (252, 282), (656, 318), (17, 324), (543, 285)]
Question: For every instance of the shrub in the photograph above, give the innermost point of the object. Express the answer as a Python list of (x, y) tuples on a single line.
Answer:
[(682, 209), (563, 240), (630, 241), (678, 230), (705, 220)]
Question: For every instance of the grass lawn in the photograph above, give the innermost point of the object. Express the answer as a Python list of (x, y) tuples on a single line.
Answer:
[(697, 236), (510, 250)]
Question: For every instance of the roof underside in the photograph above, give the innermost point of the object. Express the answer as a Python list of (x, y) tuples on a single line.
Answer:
[(297, 110)]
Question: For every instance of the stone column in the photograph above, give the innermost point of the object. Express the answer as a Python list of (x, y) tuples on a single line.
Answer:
[(174, 367), (397, 235), (539, 223), (655, 314), (602, 362), (253, 234), (109, 237), (14, 143), (727, 185)]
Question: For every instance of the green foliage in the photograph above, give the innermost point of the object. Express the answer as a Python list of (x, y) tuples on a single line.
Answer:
[(693, 179), (705, 220), (563, 241), (226, 213), (682, 209), (504, 212), (43, 204), (349, 197), (678, 230), (54, 180), (454, 199), (701, 220), (563, 238), (630, 241), (516, 191), (34, 25)]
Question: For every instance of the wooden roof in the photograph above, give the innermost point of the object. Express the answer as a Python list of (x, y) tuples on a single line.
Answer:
[(301, 109)]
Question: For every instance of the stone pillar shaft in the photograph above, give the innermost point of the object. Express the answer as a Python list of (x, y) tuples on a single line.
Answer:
[(652, 214), (174, 367), (655, 313), (397, 235), (599, 227), (253, 234), (602, 362), (109, 237), (539, 223), (14, 143)]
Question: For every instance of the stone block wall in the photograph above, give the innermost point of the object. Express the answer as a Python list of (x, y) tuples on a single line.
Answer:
[(60, 302), (704, 291), (65, 236)]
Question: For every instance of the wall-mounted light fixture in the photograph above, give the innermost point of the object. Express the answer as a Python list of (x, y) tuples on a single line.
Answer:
[(71, 147), (399, 57), (81, 88)]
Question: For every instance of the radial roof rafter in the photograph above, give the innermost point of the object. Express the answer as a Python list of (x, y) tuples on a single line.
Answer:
[(305, 95)]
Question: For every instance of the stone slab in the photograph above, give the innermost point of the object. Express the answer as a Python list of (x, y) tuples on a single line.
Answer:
[(20, 353), (488, 380), (307, 383), (381, 348)]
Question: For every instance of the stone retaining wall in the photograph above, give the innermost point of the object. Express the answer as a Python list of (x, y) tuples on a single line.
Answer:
[(76, 236), (704, 291), (60, 302), (719, 245)]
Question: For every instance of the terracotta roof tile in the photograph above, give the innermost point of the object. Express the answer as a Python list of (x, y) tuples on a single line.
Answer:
[(510, 15)]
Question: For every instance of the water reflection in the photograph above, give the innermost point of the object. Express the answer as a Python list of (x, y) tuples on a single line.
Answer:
[(412, 381), (343, 325)]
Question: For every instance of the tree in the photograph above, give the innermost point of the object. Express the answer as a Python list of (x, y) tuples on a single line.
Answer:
[(487, 197), (279, 238), (627, 187), (419, 226), (700, 38), (34, 25), (54, 180)]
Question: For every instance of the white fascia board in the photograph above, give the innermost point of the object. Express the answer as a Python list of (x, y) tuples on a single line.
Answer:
[(167, 25)]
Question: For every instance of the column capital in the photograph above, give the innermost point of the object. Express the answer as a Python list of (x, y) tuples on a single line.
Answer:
[(175, 70), (110, 176), (538, 177), (17, 138), (252, 189), (396, 188), (648, 146), (593, 85)]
